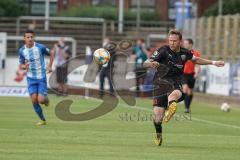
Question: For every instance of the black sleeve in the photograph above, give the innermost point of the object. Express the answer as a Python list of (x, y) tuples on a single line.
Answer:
[(159, 54), (189, 55)]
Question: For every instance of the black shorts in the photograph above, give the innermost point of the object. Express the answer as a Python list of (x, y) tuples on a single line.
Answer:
[(62, 72), (189, 80), (162, 89)]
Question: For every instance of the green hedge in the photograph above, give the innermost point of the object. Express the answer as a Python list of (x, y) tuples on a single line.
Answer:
[(229, 7), (11, 8), (106, 12)]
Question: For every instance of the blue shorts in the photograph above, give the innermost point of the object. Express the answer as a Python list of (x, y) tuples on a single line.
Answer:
[(38, 86)]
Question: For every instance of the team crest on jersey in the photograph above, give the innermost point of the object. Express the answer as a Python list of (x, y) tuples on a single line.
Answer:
[(183, 57), (155, 53)]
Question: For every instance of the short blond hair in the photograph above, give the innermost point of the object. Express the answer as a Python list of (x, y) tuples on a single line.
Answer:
[(176, 32)]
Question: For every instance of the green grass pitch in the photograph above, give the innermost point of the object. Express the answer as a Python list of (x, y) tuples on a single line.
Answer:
[(126, 133)]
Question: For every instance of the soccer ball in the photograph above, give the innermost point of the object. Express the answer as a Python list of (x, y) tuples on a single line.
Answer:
[(101, 56), (225, 107)]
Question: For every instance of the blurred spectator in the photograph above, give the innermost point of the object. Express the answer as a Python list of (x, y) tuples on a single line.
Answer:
[(148, 82), (61, 55), (106, 69), (33, 25), (139, 54)]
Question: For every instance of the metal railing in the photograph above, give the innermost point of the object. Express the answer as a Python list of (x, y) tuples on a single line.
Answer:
[(143, 26), (86, 31), (216, 37), (62, 19), (155, 36)]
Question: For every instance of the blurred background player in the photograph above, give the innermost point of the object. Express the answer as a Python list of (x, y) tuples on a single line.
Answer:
[(61, 54), (32, 26), (106, 69), (31, 58), (169, 61), (139, 56), (190, 74), (148, 80)]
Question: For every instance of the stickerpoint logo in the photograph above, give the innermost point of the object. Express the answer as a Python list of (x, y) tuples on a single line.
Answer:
[(122, 84)]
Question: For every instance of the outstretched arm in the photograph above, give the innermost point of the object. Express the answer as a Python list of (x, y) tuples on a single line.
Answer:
[(201, 61), (150, 63)]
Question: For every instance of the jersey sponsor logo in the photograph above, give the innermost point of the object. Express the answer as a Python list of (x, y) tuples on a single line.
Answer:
[(183, 57), (179, 66)]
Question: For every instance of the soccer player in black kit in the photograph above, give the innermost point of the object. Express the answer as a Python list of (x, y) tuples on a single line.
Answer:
[(169, 61)]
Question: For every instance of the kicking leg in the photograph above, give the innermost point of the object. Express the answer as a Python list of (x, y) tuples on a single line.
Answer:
[(172, 104)]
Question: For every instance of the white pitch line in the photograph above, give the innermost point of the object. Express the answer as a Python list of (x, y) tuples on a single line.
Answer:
[(196, 119), (216, 123)]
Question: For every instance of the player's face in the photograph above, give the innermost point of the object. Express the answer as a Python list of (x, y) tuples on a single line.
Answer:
[(187, 45), (29, 39), (174, 42)]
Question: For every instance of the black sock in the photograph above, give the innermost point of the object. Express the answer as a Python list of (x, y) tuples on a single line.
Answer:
[(189, 100), (158, 127), (186, 101)]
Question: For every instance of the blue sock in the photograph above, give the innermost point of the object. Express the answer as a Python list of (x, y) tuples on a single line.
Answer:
[(39, 111)]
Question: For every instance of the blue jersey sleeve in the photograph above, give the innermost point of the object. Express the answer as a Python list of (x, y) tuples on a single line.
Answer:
[(21, 57), (45, 50)]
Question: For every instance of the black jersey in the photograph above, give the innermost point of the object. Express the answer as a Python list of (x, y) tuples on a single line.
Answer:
[(171, 63)]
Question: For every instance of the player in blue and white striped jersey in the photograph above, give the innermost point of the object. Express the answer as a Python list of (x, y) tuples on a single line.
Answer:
[(31, 58)]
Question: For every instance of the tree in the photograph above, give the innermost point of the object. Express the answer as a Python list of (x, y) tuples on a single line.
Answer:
[(11, 8)]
